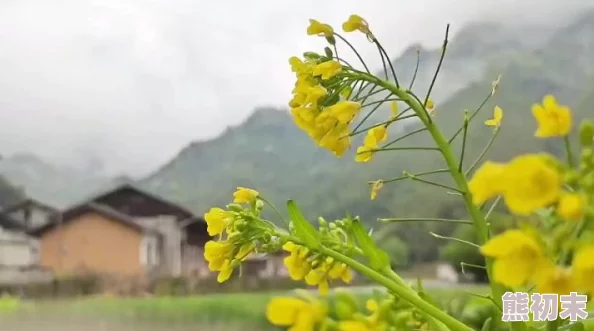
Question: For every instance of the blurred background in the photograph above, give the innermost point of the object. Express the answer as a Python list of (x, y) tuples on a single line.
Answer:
[(157, 110)]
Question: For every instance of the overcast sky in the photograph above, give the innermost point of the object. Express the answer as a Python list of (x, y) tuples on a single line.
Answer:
[(128, 83)]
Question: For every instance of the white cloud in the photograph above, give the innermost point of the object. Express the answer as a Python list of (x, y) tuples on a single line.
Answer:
[(130, 82)]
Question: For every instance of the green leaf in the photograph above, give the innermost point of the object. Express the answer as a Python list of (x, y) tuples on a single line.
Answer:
[(575, 326), (487, 324), (378, 259), (303, 229)]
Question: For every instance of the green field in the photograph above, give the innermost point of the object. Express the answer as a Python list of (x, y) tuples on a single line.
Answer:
[(223, 312)]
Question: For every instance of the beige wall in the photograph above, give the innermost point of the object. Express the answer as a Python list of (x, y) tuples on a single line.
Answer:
[(94, 243), (17, 249)]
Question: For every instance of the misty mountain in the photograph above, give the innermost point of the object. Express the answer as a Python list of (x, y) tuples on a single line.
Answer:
[(52, 184)]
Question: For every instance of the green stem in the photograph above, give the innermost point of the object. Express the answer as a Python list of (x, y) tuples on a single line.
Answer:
[(392, 284), (568, 151), (483, 152), (438, 171), (476, 215), (404, 136), (444, 220)]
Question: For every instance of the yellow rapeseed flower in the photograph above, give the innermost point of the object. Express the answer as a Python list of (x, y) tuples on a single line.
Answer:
[(530, 183), (245, 195), (296, 263), (355, 22), (327, 69), (341, 271), (376, 186), (554, 279), (299, 67), (364, 154), (216, 221), (353, 326), (319, 29), (304, 117), (553, 119), (299, 314), (486, 182), (380, 133), (337, 140), (572, 206), (218, 254), (344, 111), (583, 268), (319, 277), (370, 143), (517, 257), (497, 117)]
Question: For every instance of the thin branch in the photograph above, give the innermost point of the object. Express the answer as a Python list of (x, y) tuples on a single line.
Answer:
[(405, 149), (406, 135), (404, 220), (383, 62), (368, 95), (464, 136), (354, 50), (414, 77), (443, 51), (439, 171), (493, 206), (380, 101), (438, 236), (369, 114), (388, 122), (434, 184), (483, 152), (476, 111), (383, 51)]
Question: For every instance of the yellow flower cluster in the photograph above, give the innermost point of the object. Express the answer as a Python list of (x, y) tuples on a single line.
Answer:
[(532, 181), (325, 122), (299, 314), (310, 314), (520, 259), (529, 183), (372, 322), (320, 105), (302, 265), (225, 254)]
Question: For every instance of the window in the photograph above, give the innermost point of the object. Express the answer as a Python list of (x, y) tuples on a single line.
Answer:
[(149, 251)]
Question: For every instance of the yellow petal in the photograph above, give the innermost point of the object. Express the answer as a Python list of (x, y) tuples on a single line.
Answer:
[(486, 182), (512, 271), (283, 311)]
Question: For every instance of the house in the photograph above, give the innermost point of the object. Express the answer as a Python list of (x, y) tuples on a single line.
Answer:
[(96, 238), (125, 231), (19, 254), (30, 213), (16, 248)]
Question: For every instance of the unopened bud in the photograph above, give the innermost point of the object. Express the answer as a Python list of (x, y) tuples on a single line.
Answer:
[(328, 52), (311, 55), (586, 133), (346, 305), (259, 204), (234, 207), (571, 177), (322, 222), (586, 155)]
